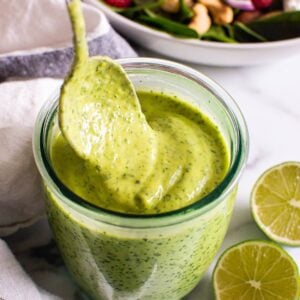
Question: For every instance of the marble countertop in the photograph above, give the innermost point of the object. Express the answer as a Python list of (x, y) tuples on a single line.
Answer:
[(270, 101)]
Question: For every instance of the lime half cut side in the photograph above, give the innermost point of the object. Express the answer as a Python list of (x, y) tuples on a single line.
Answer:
[(275, 203), (256, 270)]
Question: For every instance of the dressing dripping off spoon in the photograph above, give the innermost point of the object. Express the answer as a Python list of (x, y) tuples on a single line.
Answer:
[(101, 118)]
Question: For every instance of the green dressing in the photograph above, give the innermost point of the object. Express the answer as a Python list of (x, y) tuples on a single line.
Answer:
[(190, 160)]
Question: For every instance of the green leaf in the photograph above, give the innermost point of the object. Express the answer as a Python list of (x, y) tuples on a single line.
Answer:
[(217, 33), (244, 34), (279, 27), (169, 26), (150, 13), (130, 11), (185, 13), (229, 30)]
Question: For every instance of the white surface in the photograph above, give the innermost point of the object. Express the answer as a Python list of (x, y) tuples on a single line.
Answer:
[(270, 100), (196, 51)]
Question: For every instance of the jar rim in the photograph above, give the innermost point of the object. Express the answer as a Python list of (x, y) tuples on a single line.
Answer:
[(202, 204)]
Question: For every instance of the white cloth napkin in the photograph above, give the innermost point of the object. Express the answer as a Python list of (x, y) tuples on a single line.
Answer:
[(21, 195), (36, 38), (15, 284)]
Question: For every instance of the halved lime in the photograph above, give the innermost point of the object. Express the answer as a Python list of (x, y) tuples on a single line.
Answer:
[(275, 203), (256, 270)]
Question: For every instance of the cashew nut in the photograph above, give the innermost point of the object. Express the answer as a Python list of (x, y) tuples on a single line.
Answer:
[(172, 6), (222, 13), (201, 21)]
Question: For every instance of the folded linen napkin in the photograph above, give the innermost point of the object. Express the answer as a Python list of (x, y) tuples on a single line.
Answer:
[(15, 284), (36, 38), (21, 195)]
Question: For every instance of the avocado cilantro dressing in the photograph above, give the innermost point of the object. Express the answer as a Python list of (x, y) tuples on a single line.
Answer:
[(190, 159)]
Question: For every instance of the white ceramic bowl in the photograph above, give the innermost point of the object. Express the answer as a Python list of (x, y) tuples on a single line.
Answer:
[(196, 51)]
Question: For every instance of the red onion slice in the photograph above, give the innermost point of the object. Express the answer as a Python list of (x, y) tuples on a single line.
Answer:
[(241, 4)]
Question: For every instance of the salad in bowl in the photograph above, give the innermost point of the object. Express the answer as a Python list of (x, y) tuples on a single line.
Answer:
[(228, 33), (228, 21)]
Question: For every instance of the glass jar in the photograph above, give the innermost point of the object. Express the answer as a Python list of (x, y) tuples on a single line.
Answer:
[(161, 257)]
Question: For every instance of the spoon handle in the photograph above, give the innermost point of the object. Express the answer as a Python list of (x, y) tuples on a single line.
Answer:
[(78, 26)]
